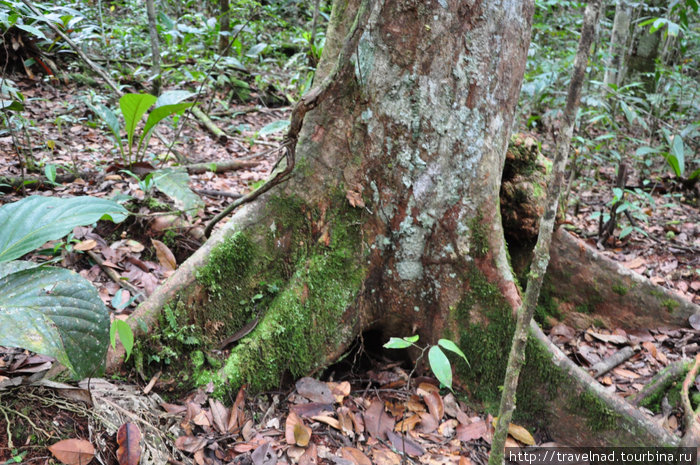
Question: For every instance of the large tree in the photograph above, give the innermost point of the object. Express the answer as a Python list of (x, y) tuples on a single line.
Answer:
[(390, 218)]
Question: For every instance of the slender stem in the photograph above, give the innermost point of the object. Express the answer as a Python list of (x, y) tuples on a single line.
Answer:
[(540, 260)]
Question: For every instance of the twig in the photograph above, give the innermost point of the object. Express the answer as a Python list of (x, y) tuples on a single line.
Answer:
[(114, 276), (220, 135), (540, 260), (660, 381), (611, 362), (690, 417), (213, 193)]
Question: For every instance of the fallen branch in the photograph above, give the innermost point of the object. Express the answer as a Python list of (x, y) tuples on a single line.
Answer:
[(611, 362), (661, 381), (220, 135), (691, 437)]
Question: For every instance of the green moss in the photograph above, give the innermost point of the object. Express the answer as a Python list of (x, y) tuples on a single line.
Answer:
[(670, 305), (619, 289), (599, 417), (547, 306), (322, 272), (479, 235)]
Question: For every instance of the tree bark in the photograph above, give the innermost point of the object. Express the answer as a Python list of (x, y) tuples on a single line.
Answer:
[(155, 47), (389, 222), (618, 43)]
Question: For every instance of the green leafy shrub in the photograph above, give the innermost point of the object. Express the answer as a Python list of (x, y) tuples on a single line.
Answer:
[(51, 310)]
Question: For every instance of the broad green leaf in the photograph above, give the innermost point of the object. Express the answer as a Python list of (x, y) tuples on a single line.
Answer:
[(694, 174), (126, 336), (156, 116), (256, 50), (35, 220), (133, 107), (172, 97), (440, 366), (32, 30), (452, 347), (11, 105), (174, 182), (400, 342), (678, 151), (54, 311), (15, 266), (641, 151), (626, 231), (275, 126)]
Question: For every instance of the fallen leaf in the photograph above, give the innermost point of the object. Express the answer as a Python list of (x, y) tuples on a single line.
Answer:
[(220, 414), (236, 415), (521, 434), (426, 388), (475, 430), (428, 423), (447, 428), (264, 455), (165, 255), (383, 456), (435, 405), (407, 423), (330, 421), (190, 444), (85, 245), (612, 338), (635, 263), (295, 432), (650, 347), (404, 444), (356, 456), (465, 461), (339, 390), (310, 456), (377, 422), (314, 390), (355, 198), (129, 439), (694, 320), (625, 373), (73, 451)]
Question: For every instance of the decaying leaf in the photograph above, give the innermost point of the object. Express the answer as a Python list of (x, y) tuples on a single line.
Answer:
[(129, 439), (314, 390), (310, 456), (220, 415), (73, 451), (165, 255), (356, 456), (295, 431), (190, 444), (404, 444), (377, 422)]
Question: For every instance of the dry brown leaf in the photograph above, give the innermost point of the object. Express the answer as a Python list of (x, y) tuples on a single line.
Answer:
[(611, 338), (330, 421), (428, 423), (295, 431), (85, 245), (314, 390), (377, 422), (475, 430), (650, 347), (356, 456), (510, 442), (521, 434), (173, 409), (202, 418), (220, 415), (355, 198), (310, 456), (404, 444), (129, 439), (190, 444), (339, 390), (395, 408), (165, 255), (426, 388), (435, 405), (635, 263), (447, 428), (407, 423), (625, 373), (465, 461), (236, 415), (414, 404), (383, 456), (73, 451), (134, 246)]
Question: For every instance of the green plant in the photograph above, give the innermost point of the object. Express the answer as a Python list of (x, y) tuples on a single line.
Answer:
[(439, 363), (51, 310), (126, 336), (133, 107)]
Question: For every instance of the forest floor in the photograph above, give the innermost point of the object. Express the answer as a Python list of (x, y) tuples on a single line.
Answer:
[(344, 422)]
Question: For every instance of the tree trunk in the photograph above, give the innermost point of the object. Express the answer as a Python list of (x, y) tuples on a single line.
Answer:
[(224, 25), (155, 46), (618, 43), (390, 222)]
